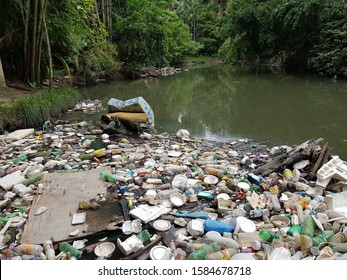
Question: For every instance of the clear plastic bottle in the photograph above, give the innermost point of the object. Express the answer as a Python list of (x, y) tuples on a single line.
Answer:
[(189, 246), (225, 254), (29, 249), (69, 249), (275, 202), (222, 241), (299, 212), (179, 254), (49, 250), (201, 253), (304, 242)]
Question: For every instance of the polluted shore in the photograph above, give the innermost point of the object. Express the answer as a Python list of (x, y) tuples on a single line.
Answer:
[(79, 190)]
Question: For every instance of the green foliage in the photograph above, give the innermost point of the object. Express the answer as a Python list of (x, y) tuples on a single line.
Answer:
[(148, 33), (329, 55), (34, 109), (80, 37), (305, 34), (205, 22)]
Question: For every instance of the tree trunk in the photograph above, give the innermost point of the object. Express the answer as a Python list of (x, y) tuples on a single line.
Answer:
[(50, 63), (2, 76), (34, 44), (26, 40)]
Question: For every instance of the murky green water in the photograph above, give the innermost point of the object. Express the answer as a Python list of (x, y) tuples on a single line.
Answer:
[(220, 102)]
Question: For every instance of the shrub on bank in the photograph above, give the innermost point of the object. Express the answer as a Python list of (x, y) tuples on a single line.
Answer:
[(34, 109)]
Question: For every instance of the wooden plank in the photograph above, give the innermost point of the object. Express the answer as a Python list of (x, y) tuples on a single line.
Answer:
[(61, 194), (18, 134)]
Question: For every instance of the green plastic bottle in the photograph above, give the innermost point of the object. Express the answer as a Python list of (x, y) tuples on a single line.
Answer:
[(69, 249), (33, 179), (201, 253), (105, 176), (309, 226), (325, 236), (267, 235)]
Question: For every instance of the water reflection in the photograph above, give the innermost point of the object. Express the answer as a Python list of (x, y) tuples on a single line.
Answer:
[(220, 102)]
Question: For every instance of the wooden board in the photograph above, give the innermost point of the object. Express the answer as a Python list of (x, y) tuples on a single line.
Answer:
[(61, 194)]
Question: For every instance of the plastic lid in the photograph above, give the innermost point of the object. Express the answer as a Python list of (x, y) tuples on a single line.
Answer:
[(247, 225), (162, 225), (223, 196), (243, 185), (159, 253)]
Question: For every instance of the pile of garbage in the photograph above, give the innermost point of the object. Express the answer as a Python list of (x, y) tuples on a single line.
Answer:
[(180, 197)]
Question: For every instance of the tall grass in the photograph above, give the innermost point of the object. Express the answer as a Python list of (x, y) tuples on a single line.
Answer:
[(33, 110)]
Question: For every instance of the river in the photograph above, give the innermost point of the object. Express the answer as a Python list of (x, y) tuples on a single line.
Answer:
[(220, 102)]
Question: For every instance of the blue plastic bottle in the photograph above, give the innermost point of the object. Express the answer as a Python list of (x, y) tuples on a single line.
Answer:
[(212, 225)]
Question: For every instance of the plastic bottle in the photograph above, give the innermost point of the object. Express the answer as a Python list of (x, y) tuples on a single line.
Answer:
[(257, 245), (304, 242), (86, 156), (288, 174), (214, 171), (225, 254), (212, 225), (280, 253), (189, 246), (325, 236), (297, 256), (293, 229), (19, 159), (300, 212), (201, 253), (33, 179), (179, 254), (338, 247), (309, 226), (29, 249), (267, 235), (275, 202), (225, 242), (100, 152), (107, 177), (49, 250), (69, 249)]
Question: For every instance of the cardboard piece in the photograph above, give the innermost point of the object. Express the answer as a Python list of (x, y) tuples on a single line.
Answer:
[(61, 194)]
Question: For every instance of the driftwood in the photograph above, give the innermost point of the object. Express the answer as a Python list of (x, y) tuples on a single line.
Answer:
[(284, 160), (322, 158)]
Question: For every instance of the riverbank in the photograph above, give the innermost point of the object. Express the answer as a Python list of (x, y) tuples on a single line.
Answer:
[(20, 109)]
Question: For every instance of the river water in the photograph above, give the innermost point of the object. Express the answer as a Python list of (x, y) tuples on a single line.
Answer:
[(220, 102)]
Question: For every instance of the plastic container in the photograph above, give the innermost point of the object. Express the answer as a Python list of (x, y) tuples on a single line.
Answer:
[(49, 250), (212, 225), (201, 253), (309, 226), (225, 254), (29, 249), (68, 248), (280, 253), (144, 236)]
